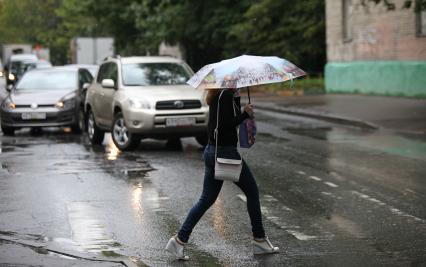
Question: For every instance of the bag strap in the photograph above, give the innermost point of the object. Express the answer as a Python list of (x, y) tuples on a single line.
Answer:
[(216, 130)]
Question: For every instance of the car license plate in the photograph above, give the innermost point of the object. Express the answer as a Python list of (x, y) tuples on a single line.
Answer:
[(174, 122), (33, 116)]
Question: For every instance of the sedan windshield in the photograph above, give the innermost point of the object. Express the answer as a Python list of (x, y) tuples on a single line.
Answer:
[(154, 74), (42, 80)]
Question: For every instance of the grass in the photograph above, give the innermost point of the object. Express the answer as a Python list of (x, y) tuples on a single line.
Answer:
[(300, 86)]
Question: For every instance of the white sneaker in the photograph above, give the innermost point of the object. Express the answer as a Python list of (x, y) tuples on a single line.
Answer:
[(264, 247), (174, 247)]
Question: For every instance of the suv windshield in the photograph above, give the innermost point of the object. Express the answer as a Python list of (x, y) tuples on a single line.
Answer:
[(41, 80), (141, 74)]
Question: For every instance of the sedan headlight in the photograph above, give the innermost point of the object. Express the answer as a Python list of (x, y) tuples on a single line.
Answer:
[(139, 104), (11, 77), (9, 105), (65, 104)]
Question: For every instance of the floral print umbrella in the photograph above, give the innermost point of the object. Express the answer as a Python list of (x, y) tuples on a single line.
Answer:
[(244, 71)]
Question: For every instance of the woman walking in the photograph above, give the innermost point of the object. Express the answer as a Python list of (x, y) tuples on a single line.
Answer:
[(229, 101)]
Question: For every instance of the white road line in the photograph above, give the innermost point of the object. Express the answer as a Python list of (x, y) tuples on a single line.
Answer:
[(315, 178), (301, 236), (391, 208), (330, 184), (409, 190), (276, 220), (301, 172)]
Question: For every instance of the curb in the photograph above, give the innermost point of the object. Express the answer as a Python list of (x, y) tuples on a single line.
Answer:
[(78, 256), (320, 115)]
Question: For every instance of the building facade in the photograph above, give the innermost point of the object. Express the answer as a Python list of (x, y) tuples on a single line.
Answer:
[(371, 49)]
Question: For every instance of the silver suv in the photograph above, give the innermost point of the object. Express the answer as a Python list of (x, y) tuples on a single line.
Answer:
[(144, 97)]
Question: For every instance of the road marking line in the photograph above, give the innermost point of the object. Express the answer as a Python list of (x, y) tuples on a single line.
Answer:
[(331, 195), (301, 172), (315, 178), (331, 184), (391, 208), (270, 198), (300, 236), (276, 220)]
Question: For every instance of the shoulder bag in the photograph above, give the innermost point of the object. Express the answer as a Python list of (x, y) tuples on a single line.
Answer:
[(226, 169)]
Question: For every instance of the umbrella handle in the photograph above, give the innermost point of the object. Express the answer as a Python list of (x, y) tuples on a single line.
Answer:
[(248, 94)]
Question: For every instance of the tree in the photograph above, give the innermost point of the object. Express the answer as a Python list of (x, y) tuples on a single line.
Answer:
[(208, 31), (272, 28), (24, 22)]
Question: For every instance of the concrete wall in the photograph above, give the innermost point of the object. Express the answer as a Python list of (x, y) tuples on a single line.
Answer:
[(397, 78), (377, 34), (385, 54)]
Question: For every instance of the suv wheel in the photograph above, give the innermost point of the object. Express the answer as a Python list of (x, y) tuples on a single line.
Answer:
[(122, 137), (7, 130), (96, 135)]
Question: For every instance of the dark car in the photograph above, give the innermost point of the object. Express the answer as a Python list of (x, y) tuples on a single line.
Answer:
[(31, 65), (46, 97), (14, 65)]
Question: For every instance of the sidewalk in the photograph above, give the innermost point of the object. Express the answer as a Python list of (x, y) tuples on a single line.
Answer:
[(372, 112), (27, 250)]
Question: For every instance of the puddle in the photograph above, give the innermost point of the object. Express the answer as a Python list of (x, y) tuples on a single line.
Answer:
[(4, 168), (315, 133), (88, 233), (6, 149), (137, 172), (269, 136), (111, 151)]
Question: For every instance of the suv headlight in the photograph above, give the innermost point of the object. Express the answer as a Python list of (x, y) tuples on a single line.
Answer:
[(139, 104)]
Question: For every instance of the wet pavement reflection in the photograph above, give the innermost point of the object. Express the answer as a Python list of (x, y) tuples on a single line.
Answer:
[(330, 195)]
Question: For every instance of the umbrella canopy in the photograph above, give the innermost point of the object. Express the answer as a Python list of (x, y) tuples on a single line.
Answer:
[(244, 71)]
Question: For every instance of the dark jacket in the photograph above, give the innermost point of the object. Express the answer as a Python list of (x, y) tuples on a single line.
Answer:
[(227, 121)]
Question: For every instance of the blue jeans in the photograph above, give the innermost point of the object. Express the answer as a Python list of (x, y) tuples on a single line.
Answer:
[(211, 189)]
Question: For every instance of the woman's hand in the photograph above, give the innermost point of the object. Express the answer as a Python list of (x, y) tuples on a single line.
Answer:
[(249, 109)]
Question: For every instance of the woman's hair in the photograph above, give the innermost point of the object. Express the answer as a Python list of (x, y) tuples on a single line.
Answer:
[(211, 95)]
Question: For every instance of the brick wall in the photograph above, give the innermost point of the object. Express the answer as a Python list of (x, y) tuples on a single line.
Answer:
[(377, 34)]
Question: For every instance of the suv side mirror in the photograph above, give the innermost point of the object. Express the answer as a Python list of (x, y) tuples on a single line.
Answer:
[(86, 85), (108, 83)]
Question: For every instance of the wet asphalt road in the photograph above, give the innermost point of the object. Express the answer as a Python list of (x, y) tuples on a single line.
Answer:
[(330, 196)]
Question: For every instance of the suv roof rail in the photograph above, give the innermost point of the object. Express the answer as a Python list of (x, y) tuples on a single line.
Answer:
[(112, 56)]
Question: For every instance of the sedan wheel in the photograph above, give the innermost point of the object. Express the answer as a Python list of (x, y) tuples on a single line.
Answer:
[(7, 130), (81, 120), (96, 135), (122, 137)]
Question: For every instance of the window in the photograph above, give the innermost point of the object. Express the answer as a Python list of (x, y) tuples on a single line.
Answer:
[(41, 80), (347, 20), (84, 77), (421, 23), (108, 71), (112, 72), (102, 72), (142, 74)]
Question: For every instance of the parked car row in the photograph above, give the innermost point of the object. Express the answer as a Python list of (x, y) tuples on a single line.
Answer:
[(132, 97)]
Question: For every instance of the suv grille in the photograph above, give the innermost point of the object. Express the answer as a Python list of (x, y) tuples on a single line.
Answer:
[(178, 104)]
